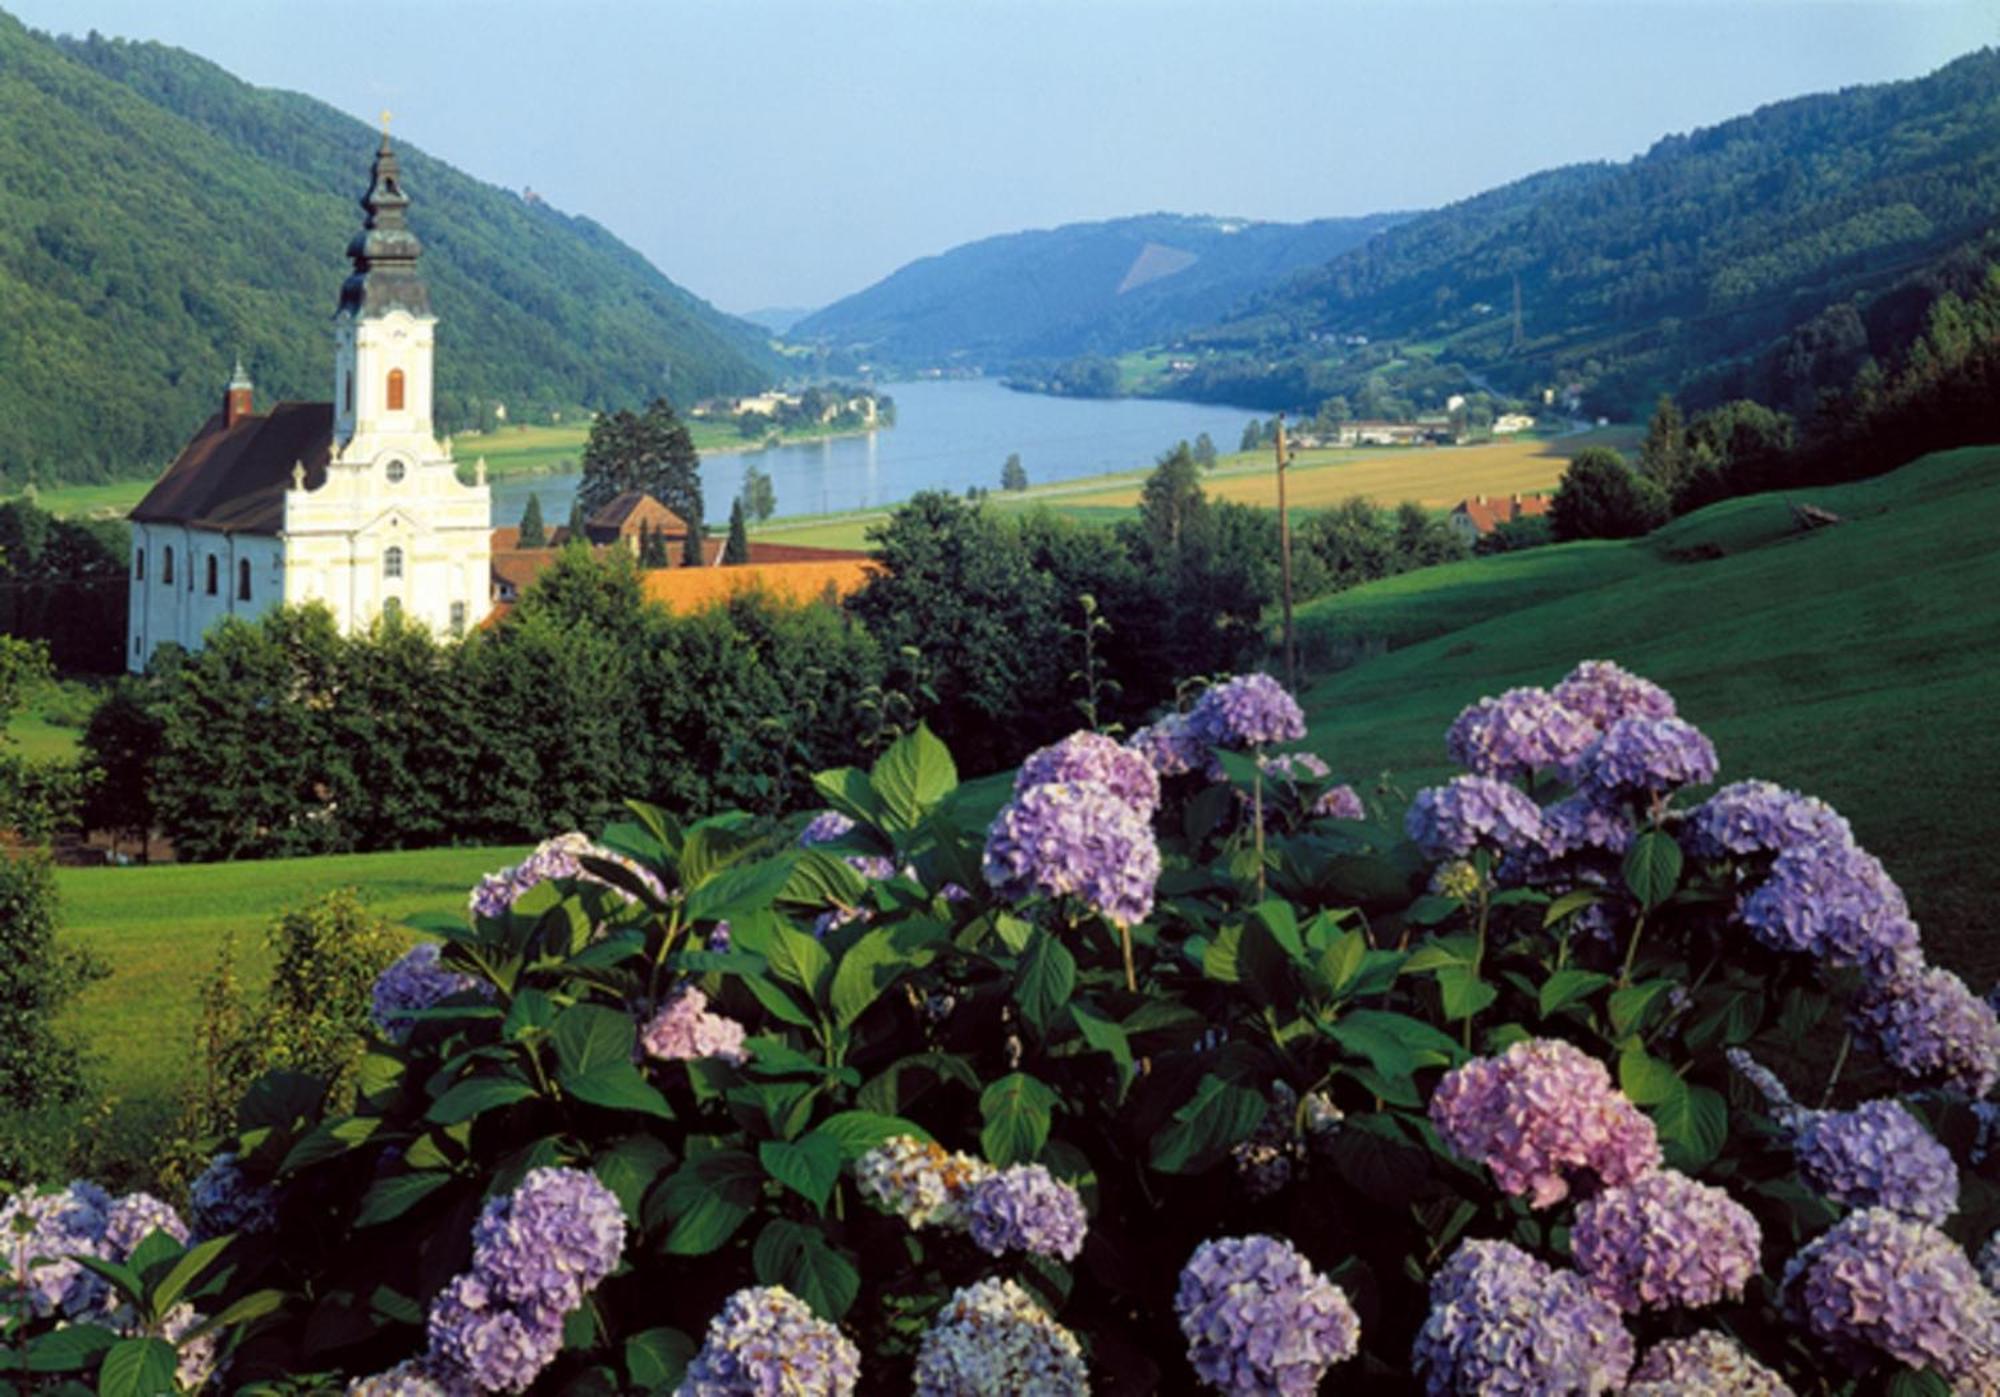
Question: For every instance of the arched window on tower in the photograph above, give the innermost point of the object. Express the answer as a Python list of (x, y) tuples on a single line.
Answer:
[(167, 566), (395, 390), (392, 562), (214, 575), (243, 579)]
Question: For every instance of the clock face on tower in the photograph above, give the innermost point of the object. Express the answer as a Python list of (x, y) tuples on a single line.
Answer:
[(394, 470)]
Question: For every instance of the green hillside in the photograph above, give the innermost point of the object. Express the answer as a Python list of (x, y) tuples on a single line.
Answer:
[(162, 218), (1095, 288), (1728, 258), (1860, 663)]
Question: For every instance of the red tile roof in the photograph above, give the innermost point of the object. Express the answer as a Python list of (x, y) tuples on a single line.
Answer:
[(233, 479), (1486, 514)]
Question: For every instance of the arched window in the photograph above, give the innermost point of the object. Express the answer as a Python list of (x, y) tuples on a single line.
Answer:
[(139, 564), (395, 390), (214, 575), (348, 380), (243, 579), (392, 562), (458, 618), (167, 566)]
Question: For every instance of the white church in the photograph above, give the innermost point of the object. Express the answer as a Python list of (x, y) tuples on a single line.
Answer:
[(352, 503)]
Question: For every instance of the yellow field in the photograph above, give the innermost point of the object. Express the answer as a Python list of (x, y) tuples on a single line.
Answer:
[(1438, 476)]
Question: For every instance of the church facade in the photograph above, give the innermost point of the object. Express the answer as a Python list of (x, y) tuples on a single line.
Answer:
[(352, 503)]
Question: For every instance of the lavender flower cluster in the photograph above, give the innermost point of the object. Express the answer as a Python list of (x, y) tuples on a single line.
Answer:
[(1295, 769), (416, 981), (1090, 757), (1665, 1241), (766, 1342), (1520, 734), (1025, 1208), (920, 1182), (413, 1377), (1604, 692), (1074, 839), (535, 1254), (683, 1030), (1834, 901), (1250, 710), (1503, 1322), (1540, 1112), (1472, 812), (558, 857), (1704, 1364), (1642, 758), (1932, 1030), (1876, 1283), (1260, 1320), (224, 1199), (991, 1338), (1170, 746), (1877, 1156), (1747, 818)]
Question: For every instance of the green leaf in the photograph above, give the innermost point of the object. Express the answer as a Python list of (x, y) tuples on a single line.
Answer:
[(138, 1368), (1464, 993), (530, 1010), (1568, 905), (1430, 1046), (1628, 1006), (152, 1253), (1566, 987), (1018, 1111), (657, 1358), (388, 1199), (629, 1167), (588, 1036), (857, 1132), (912, 777), (799, 960), (1222, 959), (821, 879), (707, 1198), (1103, 1034), (1653, 868), (1646, 1080), (1341, 963), (846, 789), (69, 1348), (1431, 909), (778, 1001), (617, 1086), (809, 1166), (1218, 1115), (192, 1263), (872, 964), (280, 1098), (1373, 1042), (740, 890), (330, 1139), (476, 1095), (1914, 1382), (255, 1305), (1045, 980), (1693, 1126), (798, 1258), (1443, 952), (1277, 917), (1014, 932)]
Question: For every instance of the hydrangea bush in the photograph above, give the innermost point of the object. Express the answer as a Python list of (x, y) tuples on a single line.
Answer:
[(1177, 1065)]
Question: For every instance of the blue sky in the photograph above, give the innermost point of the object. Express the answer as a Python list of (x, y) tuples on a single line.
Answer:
[(788, 153)]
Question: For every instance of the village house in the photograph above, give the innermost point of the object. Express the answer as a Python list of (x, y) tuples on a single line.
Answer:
[(1473, 519)]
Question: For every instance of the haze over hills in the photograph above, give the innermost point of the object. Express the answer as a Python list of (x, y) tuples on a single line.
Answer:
[(1080, 288), (1741, 258), (163, 217)]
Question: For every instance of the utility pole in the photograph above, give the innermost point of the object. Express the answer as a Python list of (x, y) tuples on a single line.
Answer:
[(1285, 559)]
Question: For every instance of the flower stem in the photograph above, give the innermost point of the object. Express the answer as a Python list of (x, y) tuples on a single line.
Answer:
[(1632, 951), (1839, 1062), (1131, 972)]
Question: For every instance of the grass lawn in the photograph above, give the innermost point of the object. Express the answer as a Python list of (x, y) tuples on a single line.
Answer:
[(1859, 663), (91, 501), (158, 929)]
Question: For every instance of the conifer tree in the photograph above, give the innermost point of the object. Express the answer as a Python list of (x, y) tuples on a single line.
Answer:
[(533, 534), (737, 550), (575, 521), (653, 549), (691, 546)]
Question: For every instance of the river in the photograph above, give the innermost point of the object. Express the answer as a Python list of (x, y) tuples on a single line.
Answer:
[(948, 435)]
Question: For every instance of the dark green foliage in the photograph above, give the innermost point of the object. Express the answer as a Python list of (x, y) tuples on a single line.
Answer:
[(1204, 451), (123, 741), (63, 582), (650, 452), (1602, 497), (165, 217), (1512, 535), (39, 1066), (653, 549), (1253, 436), (737, 549), (533, 533), (573, 527), (691, 544), (1013, 475), (760, 497), (37, 798), (1663, 455)]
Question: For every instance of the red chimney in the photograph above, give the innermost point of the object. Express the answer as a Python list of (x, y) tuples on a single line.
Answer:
[(237, 401)]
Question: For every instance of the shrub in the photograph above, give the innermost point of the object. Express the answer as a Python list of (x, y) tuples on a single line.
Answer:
[(39, 1065), (1602, 497)]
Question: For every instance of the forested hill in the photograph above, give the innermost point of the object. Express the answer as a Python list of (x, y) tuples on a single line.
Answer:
[(162, 217), (1080, 288), (1689, 264)]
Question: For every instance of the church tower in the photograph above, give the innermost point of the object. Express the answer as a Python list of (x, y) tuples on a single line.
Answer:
[(384, 331)]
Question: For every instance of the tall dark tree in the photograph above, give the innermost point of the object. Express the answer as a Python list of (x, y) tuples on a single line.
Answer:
[(577, 520), (1171, 500), (1204, 451), (533, 533), (1663, 455), (737, 549), (691, 545), (760, 497), (650, 451), (653, 549), (1013, 475), (1602, 497)]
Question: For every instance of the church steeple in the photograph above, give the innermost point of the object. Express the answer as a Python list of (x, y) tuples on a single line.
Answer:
[(385, 251)]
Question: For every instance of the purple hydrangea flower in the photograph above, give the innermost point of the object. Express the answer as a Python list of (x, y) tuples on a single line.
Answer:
[(1520, 733), (1093, 757), (992, 1338), (1025, 1208), (1603, 692), (1503, 1322), (1665, 1241), (1989, 1263), (1877, 1156), (133, 1218), (1876, 1283), (1836, 902), (496, 1346), (824, 828), (559, 857), (224, 1199), (683, 1030), (1076, 840), (920, 1182), (417, 981), (1931, 1029), (414, 1377), (1251, 710), (1259, 1319), (1761, 817), (1295, 769), (1472, 812), (1638, 757), (1580, 824), (1540, 1112), (41, 1233), (767, 1343), (1704, 1364), (1170, 746), (549, 1242)]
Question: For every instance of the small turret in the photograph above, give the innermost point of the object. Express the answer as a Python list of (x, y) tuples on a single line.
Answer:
[(238, 400)]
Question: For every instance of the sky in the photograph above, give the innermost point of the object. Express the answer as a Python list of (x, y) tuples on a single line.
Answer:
[(789, 152)]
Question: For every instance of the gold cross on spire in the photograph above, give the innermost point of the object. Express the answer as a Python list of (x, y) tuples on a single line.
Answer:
[(386, 116)]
